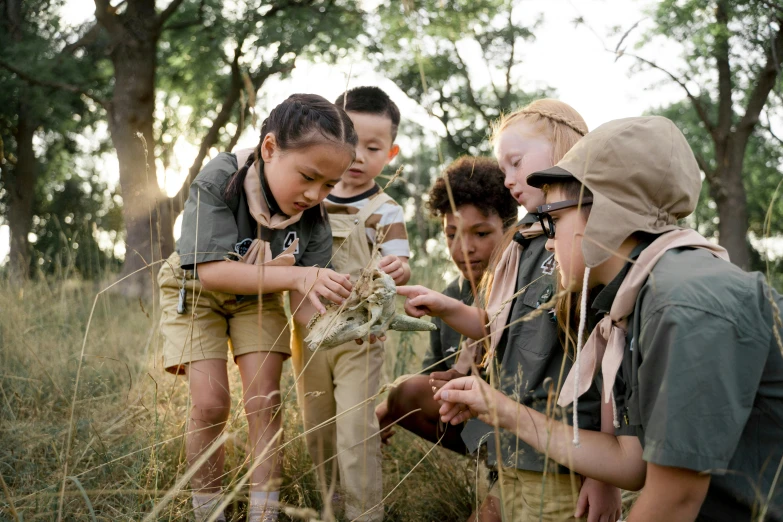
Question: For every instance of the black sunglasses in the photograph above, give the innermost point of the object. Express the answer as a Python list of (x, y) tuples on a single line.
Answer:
[(545, 218)]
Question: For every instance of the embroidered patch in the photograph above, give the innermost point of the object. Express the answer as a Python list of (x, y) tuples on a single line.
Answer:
[(243, 246), (548, 267), (289, 240), (545, 296)]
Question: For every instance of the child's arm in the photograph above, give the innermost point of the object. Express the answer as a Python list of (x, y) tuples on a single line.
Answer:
[(467, 320), (671, 494), (600, 500), (397, 267), (243, 279), (614, 460)]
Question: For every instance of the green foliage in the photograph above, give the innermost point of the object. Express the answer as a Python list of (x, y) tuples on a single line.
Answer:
[(423, 50), (73, 211), (196, 55)]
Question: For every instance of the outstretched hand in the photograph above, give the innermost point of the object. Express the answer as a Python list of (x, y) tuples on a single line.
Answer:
[(422, 301), (467, 397)]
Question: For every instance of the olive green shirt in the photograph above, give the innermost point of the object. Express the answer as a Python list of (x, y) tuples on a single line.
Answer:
[(445, 341), (214, 228), (530, 353), (701, 382)]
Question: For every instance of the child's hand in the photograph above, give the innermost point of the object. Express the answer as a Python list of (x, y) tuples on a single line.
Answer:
[(373, 338), (328, 284), (395, 267), (600, 501), (467, 397), (382, 412), (423, 301), (438, 379)]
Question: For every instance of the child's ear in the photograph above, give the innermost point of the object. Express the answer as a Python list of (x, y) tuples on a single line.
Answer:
[(268, 147), (393, 153)]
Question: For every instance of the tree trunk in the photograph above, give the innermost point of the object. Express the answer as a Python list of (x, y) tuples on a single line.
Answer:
[(731, 200), (149, 234), (21, 194)]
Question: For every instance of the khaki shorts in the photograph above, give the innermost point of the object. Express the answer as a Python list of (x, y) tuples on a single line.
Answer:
[(522, 500), (214, 323)]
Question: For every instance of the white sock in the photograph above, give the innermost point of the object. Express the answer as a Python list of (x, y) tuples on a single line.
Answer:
[(204, 505), (264, 506)]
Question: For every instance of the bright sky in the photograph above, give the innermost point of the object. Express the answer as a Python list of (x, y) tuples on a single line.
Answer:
[(571, 59)]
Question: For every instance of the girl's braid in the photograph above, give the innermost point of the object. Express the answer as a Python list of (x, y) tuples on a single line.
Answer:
[(575, 126)]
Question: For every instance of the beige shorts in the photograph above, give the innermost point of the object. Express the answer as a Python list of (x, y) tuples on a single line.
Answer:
[(528, 497), (214, 323)]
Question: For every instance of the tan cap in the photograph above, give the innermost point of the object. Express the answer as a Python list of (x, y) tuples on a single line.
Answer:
[(643, 177)]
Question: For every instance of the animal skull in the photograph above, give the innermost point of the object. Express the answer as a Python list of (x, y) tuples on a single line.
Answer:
[(368, 310)]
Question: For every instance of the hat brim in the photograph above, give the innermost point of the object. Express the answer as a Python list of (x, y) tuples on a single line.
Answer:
[(551, 175)]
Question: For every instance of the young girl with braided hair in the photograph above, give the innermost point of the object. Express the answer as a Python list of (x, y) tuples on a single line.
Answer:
[(524, 355), (253, 227)]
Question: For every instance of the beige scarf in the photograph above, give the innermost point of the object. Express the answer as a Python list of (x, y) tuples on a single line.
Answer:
[(503, 289), (260, 252), (607, 342)]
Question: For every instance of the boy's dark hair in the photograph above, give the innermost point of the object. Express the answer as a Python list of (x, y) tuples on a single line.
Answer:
[(571, 189), (300, 121), (370, 100), (474, 181)]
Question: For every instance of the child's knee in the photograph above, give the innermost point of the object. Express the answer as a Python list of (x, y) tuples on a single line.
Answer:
[(263, 404), (212, 410)]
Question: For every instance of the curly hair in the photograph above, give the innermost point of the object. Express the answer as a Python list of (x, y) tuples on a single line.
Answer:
[(474, 181)]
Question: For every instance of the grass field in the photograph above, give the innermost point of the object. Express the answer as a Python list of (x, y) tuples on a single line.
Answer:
[(116, 445)]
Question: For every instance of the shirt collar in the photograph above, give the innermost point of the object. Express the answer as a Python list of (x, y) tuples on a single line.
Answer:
[(603, 301), (271, 203)]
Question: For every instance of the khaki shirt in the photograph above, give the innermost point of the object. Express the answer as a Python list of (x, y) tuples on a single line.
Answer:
[(445, 341), (214, 229), (701, 383), (530, 352)]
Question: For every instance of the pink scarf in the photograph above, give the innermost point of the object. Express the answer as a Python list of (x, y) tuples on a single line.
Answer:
[(607, 342), (259, 252), (503, 288)]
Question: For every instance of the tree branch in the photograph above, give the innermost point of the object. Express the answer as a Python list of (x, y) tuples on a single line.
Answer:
[(764, 83), (700, 110), (725, 84), (106, 14), (54, 85), (167, 13), (190, 23), (87, 38), (704, 166), (772, 5), (471, 96)]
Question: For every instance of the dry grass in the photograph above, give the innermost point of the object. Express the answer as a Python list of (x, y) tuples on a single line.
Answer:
[(129, 418)]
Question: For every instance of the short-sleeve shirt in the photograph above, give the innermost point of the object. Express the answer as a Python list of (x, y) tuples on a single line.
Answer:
[(214, 228), (701, 382), (530, 353), (445, 342), (386, 223)]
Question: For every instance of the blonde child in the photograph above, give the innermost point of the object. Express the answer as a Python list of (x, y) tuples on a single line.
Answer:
[(693, 341), (253, 228), (335, 385), (528, 354)]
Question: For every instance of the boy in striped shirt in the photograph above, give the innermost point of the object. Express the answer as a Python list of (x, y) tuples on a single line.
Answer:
[(335, 386)]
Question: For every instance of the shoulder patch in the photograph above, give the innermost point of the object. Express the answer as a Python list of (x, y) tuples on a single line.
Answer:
[(289, 240), (548, 266)]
